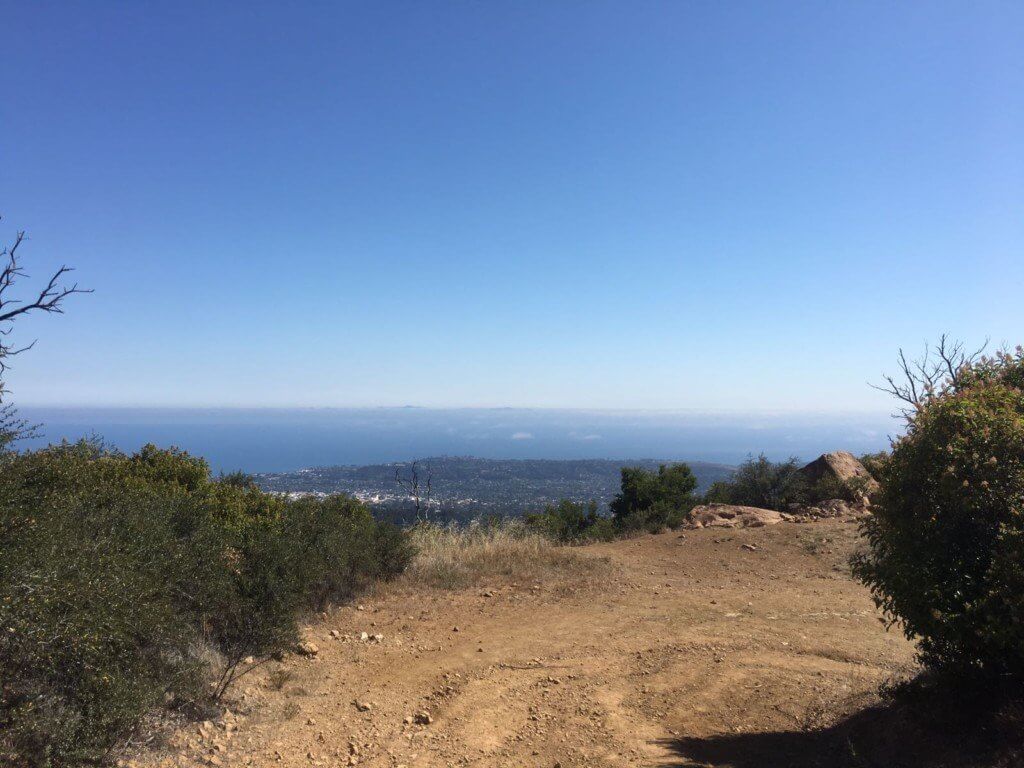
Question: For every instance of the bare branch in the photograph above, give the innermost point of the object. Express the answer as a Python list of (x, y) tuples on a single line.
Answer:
[(938, 371), (50, 299), (415, 488)]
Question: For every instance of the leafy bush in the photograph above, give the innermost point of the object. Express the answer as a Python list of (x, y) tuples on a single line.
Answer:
[(118, 572), (774, 485), (99, 597), (570, 522), (762, 483), (342, 548), (851, 489), (653, 501), (874, 463), (947, 535)]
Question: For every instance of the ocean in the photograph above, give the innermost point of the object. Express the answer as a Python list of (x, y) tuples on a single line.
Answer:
[(281, 440)]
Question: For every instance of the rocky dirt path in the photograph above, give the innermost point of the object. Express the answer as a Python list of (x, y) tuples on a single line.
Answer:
[(703, 647)]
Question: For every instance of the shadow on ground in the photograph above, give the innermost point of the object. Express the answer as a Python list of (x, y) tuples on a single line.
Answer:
[(922, 729)]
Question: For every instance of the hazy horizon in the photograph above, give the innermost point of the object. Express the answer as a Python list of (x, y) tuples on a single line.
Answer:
[(283, 439)]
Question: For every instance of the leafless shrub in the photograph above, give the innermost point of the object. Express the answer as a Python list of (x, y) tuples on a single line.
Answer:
[(938, 371)]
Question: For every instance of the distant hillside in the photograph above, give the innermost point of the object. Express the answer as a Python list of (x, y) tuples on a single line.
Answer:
[(467, 487)]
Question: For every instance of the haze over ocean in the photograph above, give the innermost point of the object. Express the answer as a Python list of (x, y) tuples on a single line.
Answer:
[(278, 440)]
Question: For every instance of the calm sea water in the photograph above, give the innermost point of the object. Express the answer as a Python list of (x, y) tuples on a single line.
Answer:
[(271, 440)]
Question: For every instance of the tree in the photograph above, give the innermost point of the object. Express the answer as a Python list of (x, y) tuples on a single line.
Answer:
[(49, 299), (654, 500), (570, 522), (946, 536), (418, 487), (762, 483)]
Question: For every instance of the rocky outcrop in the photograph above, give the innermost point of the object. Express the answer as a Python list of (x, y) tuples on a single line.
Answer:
[(736, 516), (830, 509), (839, 465), (732, 516)]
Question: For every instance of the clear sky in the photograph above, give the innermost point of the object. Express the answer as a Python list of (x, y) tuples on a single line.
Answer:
[(577, 204)]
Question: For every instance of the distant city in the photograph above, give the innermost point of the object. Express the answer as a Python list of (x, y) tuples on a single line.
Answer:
[(463, 488)]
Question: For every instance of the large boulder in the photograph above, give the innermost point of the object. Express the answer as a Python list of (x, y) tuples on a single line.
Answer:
[(732, 516), (839, 465)]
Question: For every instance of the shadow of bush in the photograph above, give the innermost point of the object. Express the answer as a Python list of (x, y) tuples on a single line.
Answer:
[(926, 723)]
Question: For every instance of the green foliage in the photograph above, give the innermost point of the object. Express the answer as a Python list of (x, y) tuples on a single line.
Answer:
[(570, 522), (851, 489), (653, 501), (342, 548), (117, 572), (237, 478), (874, 463), (762, 483), (947, 534), (777, 485), (101, 581)]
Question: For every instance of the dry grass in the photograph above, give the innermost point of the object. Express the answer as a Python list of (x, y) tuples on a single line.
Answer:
[(450, 557)]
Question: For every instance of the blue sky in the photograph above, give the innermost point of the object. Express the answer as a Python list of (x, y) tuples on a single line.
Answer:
[(600, 205)]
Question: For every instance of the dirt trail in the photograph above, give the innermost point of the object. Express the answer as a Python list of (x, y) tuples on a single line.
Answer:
[(689, 651)]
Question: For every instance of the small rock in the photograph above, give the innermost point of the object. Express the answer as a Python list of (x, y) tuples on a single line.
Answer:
[(423, 718), (307, 648)]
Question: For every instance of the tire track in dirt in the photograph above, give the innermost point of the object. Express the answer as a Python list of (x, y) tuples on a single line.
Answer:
[(684, 636)]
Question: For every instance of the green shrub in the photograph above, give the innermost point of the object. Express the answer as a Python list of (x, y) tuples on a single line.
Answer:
[(851, 489), (653, 501), (946, 538), (775, 485), (98, 608), (340, 547), (118, 572), (874, 463), (570, 522), (762, 483)]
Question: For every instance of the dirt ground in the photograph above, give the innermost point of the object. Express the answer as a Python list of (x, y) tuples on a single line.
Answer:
[(711, 647)]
